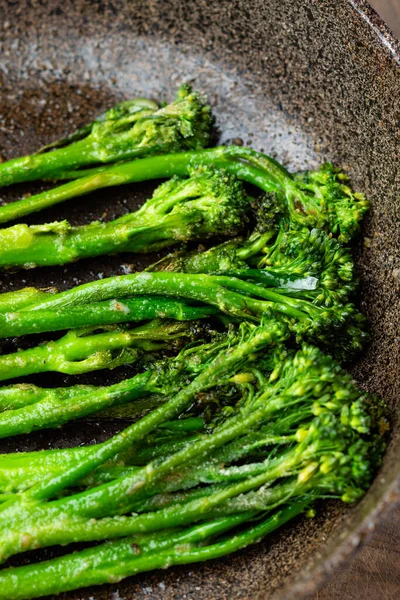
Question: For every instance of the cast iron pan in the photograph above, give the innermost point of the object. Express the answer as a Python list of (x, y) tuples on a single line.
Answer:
[(304, 80)]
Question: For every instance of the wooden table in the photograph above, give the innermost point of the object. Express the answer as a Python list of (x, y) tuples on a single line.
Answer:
[(374, 574), (390, 12)]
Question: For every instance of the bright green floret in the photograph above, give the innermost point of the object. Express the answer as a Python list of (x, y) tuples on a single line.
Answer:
[(120, 116), (307, 263), (345, 209)]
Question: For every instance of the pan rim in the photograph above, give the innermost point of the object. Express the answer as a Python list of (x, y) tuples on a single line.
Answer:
[(333, 560)]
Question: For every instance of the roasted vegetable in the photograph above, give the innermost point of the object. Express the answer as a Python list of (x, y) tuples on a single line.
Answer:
[(319, 199), (208, 203), (300, 431), (131, 129)]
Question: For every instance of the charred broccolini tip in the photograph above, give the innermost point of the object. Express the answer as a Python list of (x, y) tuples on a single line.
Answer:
[(320, 198), (308, 263), (119, 116), (345, 209)]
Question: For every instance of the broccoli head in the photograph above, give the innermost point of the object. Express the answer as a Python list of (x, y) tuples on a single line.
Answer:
[(309, 262), (119, 117), (312, 253), (315, 433), (320, 198), (343, 208), (209, 202)]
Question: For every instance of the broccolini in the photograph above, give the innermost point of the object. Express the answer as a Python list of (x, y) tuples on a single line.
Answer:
[(129, 130), (207, 203), (321, 199)]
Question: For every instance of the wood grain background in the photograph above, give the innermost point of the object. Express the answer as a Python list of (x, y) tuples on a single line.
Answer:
[(390, 12), (374, 574)]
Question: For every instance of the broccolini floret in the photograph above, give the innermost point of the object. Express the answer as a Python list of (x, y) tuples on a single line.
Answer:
[(346, 209)]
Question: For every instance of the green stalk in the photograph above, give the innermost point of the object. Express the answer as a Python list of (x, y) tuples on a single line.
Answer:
[(22, 298), (20, 471), (83, 350), (18, 510), (339, 327), (319, 199), (42, 523), (113, 562), (203, 288), (53, 407), (228, 294), (55, 523), (14, 397), (60, 243), (72, 354), (100, 314), (229, 158), (54, 410)]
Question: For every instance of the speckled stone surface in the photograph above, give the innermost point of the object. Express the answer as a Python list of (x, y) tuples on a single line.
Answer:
[(304, 80)]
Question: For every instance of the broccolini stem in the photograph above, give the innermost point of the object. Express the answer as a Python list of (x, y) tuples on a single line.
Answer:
[(157, 167), (36, 202), (115, 561), (84, 350), (60, 522), (72, 355), (17, 396), (229, 294), (57, 409), (100, 313), (22, 508), (59, 243), (203, 288), (19, 472), (22, 298)]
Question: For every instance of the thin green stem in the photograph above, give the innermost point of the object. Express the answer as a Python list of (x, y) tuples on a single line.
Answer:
[(269, 177), (99, 314)]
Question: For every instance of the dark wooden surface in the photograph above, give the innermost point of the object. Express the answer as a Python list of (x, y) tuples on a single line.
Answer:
[(374, 574)]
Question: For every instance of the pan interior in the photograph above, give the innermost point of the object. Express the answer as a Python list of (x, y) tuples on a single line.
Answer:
[(59, 69)]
